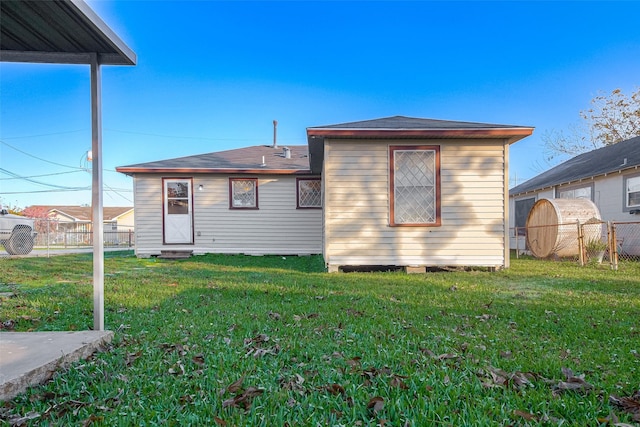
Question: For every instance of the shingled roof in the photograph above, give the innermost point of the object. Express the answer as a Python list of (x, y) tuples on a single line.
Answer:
[(403, 122), (613, 158), (83, 213), (241, 160)]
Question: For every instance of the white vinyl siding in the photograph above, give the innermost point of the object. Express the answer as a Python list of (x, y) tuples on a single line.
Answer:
[(357, 230), (276, 228)]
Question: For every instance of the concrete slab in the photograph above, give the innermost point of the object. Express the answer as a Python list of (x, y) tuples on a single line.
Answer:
[(30, 358)]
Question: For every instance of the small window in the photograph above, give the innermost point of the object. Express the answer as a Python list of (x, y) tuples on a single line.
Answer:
[(309, 193), (414, 185), (632, 188), (575, 193), (178, 197), (243, 193)]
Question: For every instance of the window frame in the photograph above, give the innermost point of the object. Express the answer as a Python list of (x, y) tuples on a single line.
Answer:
[(625, 193), (437, 191), (298, 180), (575, 187), (231, 192)]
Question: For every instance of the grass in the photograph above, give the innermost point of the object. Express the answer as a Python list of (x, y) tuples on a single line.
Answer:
[(248, 341)]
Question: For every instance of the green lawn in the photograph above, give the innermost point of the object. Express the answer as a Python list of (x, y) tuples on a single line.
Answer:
[(247, 341)]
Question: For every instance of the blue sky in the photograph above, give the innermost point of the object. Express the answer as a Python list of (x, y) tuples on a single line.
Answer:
[(213, 76)]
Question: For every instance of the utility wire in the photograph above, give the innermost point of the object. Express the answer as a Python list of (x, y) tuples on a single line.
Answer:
[(43, 191), (39, 158), (58, 164), (38, 176), (61, 187), (44, 134)]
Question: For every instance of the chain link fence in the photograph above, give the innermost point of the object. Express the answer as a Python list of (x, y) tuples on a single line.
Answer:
[(592, 243), (55, 234), (626, 240)]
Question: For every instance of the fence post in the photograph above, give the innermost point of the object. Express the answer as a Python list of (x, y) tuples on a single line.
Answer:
[(130, 237), (48, 234), (581, 249), (613, 246)]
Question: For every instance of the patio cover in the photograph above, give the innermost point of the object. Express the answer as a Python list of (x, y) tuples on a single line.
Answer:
[(69, 32)]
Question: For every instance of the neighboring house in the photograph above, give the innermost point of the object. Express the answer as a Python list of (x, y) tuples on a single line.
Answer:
[(608, 176), (396, 191), (77, 219)]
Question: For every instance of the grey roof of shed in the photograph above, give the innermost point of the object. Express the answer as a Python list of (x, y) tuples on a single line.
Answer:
[(403, 122), (60, 31), (241, 160), (610, 159)]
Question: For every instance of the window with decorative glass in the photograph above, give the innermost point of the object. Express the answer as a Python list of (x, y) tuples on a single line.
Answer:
[(415, 185), (309, 193), (243, 193)]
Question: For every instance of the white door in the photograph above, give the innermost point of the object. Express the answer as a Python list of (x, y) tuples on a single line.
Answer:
[(178, 224)]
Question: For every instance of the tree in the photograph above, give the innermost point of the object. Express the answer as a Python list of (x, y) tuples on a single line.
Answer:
[(612, 118), (43, 222)]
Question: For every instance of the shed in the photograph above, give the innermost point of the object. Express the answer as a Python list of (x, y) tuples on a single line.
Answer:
[(414, 192)]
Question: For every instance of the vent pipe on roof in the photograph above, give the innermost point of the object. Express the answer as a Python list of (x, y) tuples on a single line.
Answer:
[(287, 152), (275, 140)]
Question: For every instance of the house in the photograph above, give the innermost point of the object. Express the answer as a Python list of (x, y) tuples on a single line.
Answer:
[(394, 191), (608, 176), (256, 200), (78, 218)]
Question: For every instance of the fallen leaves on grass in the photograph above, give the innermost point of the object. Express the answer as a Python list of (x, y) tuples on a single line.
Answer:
[(354, 313), (576, 383), (198, 359), (335, 389), (494, 377), (293, 384), (179, 348), (243, 397), (438, 357), (177, 369), (628, 404), (526, 415), (132, 357), (273, 315), (298, 317), (376, 404), (257, 346)]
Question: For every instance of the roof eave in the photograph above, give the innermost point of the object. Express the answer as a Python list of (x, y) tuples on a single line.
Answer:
[(134, 170), (511, 134), (64, 58)]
